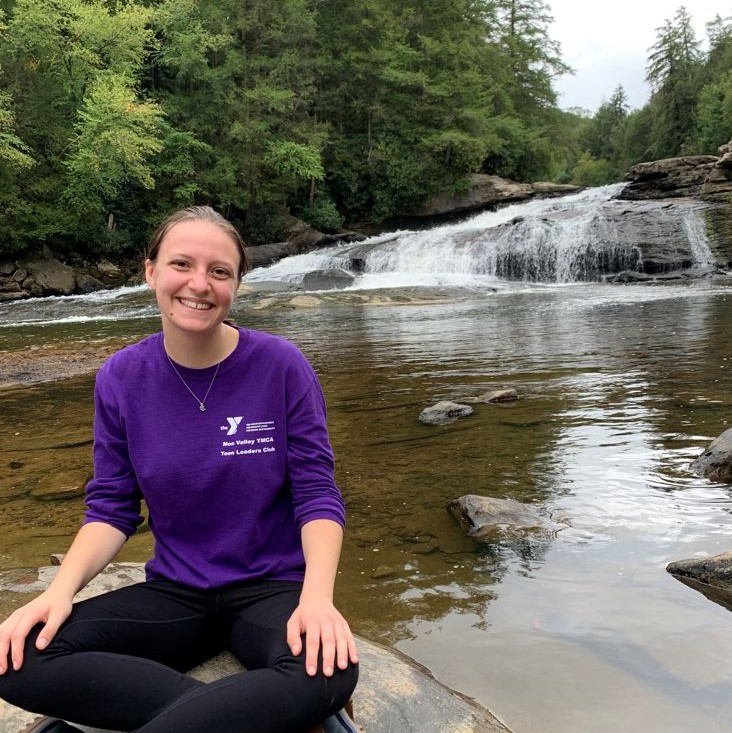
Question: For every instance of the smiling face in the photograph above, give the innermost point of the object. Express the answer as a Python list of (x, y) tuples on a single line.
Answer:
[(195, 276)]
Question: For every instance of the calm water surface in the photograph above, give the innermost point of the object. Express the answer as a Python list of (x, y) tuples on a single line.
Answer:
[(620, 388)]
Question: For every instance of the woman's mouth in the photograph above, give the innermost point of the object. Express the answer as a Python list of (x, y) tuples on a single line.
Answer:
[(195, 304)]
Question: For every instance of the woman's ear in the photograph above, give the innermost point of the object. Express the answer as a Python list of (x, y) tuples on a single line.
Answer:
[(150, 273)]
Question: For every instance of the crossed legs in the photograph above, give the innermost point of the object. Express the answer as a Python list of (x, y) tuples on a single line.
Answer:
[(119, 662)]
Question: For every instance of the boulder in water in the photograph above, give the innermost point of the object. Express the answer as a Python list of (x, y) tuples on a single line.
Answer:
[(444, 412), (488, 519), (332, 278), (711, 576), (52, 276), (716, 461)]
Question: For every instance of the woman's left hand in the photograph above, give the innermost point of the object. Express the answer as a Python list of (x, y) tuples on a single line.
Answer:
[(320, 622)]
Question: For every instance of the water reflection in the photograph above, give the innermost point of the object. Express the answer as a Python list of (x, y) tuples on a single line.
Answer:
[(619, 389)]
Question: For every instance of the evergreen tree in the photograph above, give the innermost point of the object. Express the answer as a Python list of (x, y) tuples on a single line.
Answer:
[(714, 111), (239, 77), (527, 123), (673, 71), (603, 142), (406, 90)]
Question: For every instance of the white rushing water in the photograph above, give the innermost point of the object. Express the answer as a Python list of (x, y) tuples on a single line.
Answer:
[(550, 241)]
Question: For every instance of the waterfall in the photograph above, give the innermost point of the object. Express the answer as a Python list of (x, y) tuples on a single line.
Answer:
[(583, 237), (697, 236)]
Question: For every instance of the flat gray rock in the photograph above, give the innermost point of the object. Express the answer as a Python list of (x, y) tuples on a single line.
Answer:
[(394, 693)]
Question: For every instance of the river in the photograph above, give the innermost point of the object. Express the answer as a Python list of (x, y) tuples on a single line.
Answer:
[(620, 386)]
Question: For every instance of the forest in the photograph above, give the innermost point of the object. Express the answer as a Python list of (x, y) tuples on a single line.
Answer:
[(115, 112)]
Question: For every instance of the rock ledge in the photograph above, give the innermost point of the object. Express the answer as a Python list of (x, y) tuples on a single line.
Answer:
[(394, 694)]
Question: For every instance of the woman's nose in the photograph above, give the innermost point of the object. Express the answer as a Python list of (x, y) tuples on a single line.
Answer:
[(199, 280)]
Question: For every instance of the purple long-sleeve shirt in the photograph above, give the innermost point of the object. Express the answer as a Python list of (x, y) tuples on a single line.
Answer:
[(227, 490)]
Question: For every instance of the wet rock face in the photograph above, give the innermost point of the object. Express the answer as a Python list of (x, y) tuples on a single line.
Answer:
[(716, 461), (332, 278), (704, 178)]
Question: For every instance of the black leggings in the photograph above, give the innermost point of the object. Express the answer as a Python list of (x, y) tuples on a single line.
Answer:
[(118, 662)]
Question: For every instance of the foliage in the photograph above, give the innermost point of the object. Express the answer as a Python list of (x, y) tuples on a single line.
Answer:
[(674, 72), (591, 171), (14, 153), (322, 214), (264, 224), (115, 136), (114, 113)]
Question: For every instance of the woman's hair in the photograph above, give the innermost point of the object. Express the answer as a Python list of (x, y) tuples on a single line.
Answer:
[(199, 213)]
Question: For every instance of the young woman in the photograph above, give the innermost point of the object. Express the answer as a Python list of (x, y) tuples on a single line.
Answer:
[(222, 432)]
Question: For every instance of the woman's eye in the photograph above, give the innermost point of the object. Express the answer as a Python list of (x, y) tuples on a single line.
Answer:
[(179, 263), (221, 272)]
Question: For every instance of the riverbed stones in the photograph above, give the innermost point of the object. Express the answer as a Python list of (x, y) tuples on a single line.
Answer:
[(489, 519), (394, 693), (444, 412), (716, 461)]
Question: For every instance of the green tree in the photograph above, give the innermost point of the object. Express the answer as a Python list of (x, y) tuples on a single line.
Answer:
[(527, 122), (673, 71), (239, 77), (14, 153), (115, 139), (591, 171), (409, 89), (714, 110), (603, 140), (59, 57)]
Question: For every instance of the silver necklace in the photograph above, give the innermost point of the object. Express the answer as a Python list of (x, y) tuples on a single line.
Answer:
[(201, 403)]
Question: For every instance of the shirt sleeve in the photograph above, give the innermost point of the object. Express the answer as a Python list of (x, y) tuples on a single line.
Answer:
[(310, 461), (113, 495)]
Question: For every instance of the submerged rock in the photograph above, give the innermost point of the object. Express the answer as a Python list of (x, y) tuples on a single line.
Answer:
[(488, 519), (499, 395), (716, 461), (444, 412), (394, 693)]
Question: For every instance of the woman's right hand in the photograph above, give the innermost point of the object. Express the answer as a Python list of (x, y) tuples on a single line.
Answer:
[(95, 544), (50, 609)]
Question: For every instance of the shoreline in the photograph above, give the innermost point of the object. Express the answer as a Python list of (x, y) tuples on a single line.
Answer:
[(34, 365)]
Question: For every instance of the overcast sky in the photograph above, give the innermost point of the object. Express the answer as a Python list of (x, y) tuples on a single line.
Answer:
[(607, 43)]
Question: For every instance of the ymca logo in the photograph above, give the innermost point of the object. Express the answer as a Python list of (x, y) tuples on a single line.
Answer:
[(233, 425)]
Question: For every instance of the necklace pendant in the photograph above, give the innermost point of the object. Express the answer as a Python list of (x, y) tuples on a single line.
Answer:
[(202, 407)]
